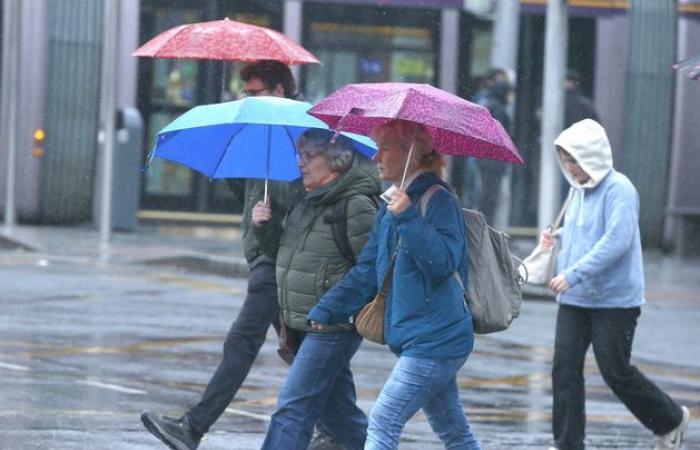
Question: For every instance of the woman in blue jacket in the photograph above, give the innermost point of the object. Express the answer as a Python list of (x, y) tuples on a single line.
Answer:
[(426, 322)]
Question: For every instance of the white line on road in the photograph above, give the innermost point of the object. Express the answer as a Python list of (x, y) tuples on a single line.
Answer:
[(14, 367), (240, 412), (113, 387)]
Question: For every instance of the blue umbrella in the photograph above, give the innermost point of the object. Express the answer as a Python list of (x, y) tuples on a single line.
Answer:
[(250, 138)]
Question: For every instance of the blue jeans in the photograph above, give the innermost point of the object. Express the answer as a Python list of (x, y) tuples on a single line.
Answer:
[(415, 383), (319, 388)]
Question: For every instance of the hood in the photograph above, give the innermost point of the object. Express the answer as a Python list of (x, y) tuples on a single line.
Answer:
[(361, 178), (588, 144)]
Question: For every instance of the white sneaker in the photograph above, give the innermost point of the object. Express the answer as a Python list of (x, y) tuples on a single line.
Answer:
[(673, 440)]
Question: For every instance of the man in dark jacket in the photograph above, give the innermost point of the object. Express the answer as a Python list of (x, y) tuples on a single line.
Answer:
[(576, 105), (260, 308)]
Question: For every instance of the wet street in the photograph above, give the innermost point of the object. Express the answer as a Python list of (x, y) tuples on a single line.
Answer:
[(86, 347)]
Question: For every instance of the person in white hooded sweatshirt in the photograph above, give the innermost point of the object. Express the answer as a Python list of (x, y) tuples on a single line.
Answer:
[(600, 289)]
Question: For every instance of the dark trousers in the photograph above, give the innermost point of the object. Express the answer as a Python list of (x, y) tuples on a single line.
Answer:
[(611, 331), (246, 336)]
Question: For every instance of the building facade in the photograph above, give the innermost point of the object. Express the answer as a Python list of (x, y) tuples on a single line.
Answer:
[(623, 50)]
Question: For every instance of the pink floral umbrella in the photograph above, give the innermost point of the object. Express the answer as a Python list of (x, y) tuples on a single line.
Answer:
[(226, 40), (457, 127)]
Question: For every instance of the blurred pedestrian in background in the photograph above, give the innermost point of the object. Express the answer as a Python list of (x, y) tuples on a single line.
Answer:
[(426, 321), (577, 106), (337, 211), (600, 289), (260, 308), (472, 192), (491, 172)]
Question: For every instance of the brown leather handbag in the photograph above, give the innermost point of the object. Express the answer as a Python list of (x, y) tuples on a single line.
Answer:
[(370, 320)]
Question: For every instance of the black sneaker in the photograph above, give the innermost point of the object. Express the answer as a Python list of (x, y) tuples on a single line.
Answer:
[(175, 433), (324, 441)]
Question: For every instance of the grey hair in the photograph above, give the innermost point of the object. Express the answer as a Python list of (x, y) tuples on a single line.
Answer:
[(336, 148)]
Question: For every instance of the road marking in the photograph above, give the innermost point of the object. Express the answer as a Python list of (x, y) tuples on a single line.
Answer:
[(112, 387), (240, 412), (14, 367)]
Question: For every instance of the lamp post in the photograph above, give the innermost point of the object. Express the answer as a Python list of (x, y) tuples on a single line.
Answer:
[(108, 110), (556, 42), (10, 101)]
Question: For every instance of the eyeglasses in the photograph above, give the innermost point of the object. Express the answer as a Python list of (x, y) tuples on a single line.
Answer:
[(254, 92), (306, 156)]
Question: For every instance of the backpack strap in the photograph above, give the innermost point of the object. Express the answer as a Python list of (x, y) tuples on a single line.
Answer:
[(339, 225), (424, 199)]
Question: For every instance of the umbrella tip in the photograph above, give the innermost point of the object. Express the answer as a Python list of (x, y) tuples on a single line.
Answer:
[(336, 133)]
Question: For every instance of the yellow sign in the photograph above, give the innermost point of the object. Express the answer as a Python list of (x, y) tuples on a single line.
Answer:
[(593, 4)]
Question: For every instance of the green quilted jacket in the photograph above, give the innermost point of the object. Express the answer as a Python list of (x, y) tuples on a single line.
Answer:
[(282, 195), (309, 261)]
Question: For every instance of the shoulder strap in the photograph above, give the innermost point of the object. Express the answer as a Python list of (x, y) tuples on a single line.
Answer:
[(339, 226), (425, 198), (564, 207)]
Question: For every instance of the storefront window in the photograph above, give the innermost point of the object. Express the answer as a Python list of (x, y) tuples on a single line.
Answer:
[(164, 177), (174, 82), (373, 46), (173, 86)]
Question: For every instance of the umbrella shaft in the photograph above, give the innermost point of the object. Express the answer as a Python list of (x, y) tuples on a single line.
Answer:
[(408, 161)]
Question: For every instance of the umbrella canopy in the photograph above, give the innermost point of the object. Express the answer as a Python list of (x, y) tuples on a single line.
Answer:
[(457, 127), (225, 40), (692, 65), (250, 138)]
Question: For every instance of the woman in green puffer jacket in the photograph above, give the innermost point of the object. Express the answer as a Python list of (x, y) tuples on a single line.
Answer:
[(310, 260)]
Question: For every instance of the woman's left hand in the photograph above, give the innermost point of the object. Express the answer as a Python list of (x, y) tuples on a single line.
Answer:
[(399, 202), (317, 326), (559, 284)]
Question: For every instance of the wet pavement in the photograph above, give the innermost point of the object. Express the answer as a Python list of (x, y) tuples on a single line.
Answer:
[(90, 339)]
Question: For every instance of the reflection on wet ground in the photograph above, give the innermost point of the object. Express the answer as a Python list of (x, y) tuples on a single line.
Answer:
[(84, 349)]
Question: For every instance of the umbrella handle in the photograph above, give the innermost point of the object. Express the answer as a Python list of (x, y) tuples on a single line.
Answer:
[(410, 154), (405, 168), (265, 195)]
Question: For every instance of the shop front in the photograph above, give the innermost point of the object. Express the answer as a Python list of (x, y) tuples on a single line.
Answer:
[(356, 40), (169, 87)]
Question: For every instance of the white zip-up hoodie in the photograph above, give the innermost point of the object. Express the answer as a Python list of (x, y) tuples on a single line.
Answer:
[(601, 253)]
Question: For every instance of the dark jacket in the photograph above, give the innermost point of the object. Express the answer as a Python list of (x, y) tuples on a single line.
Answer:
[(578, 107), (426, 315), (309, 261), (282, 195)]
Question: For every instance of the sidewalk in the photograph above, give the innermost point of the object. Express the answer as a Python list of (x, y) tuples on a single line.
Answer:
[(219, 250)]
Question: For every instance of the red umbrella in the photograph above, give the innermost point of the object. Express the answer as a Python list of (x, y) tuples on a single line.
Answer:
[(225, 40), (457, 127), (692, 64)]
